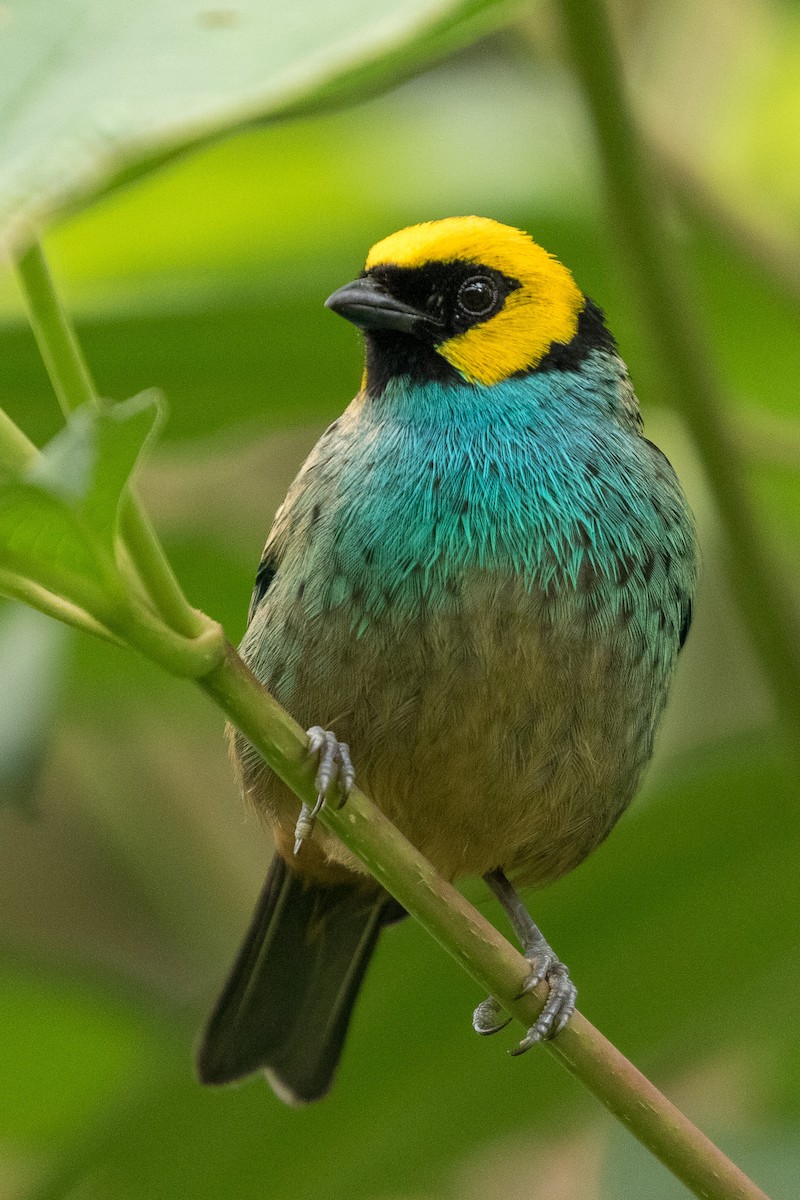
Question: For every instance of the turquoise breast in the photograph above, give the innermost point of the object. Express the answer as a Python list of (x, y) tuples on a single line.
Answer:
[(407, 493), (494, 582)]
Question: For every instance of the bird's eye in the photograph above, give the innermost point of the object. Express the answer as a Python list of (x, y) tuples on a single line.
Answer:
[(477, 296)]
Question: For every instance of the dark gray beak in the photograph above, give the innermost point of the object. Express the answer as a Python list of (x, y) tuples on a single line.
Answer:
[(370, 306)]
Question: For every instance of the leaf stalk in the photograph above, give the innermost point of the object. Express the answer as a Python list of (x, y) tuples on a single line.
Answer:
[(74, 387)]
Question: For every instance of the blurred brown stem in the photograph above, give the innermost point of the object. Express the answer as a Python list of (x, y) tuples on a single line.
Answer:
[(769, 248), (658, 279), (767, 438)]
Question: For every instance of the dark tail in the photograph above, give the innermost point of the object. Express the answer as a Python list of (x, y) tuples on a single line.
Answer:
[(288, 1001)]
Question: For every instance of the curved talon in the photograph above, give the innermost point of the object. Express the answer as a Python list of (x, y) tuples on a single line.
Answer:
[(305, 823), (535, 978), (485, 1018), (334, 767)]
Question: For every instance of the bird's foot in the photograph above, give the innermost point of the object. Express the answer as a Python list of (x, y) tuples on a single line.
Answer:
[(545, 966), (334, 767), (560, 1003), (488, 1017)]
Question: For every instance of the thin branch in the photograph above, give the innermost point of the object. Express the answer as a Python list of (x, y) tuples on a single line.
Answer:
[(476, 945), (74, 387), (648, 250), (16, 450), (757, 237), (18, 588), (55, 337)]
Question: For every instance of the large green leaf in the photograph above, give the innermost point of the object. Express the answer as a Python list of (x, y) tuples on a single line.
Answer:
[(89, 462), (58, 520), (95, 91), (42, 539)]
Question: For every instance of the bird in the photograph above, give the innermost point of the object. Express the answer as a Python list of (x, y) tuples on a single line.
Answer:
[(473, 596)]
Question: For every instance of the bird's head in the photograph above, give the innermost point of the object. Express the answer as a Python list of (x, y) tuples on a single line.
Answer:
[(466, 300)]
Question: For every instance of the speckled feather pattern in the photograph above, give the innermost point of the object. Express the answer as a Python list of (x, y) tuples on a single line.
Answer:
[(482, 590)]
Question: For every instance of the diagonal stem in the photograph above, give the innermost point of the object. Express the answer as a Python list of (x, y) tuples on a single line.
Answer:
[(19, 588), (16, 450), (74, 387), (676, 331), (476, 945), (760, 238)]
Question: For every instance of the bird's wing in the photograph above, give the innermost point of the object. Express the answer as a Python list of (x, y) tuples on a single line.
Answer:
[(685, 623), (264, 577), (686, 600)]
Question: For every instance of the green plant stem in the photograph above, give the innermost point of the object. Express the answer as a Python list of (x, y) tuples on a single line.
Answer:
[(645, 245), (190, 658), (58, 345), (16, 450), (46, 602), (74, 387), (474, 943), (154, 570)]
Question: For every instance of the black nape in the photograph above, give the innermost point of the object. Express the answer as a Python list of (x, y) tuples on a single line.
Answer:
[(593, 334)]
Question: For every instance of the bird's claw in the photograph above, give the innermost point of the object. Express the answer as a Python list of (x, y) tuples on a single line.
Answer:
[(545, 968), (558, 1008), (560, 1003), (334, 766), (487, 1017)]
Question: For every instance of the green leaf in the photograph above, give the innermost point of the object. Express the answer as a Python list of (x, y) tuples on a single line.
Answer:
[(31, 659), (95, 91), (90, 461), (41, 539), (58, 520)]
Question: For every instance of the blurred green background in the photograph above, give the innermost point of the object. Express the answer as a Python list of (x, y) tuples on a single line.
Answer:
[(127, 864)]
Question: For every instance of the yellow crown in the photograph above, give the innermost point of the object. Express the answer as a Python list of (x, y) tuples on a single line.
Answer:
[(543, 310)]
